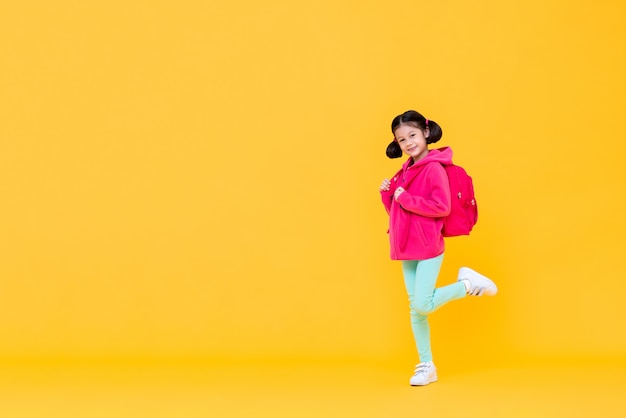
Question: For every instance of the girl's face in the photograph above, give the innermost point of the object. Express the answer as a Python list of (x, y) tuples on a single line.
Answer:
[(412, 141)]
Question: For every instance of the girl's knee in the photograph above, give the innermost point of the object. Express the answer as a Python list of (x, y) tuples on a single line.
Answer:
[(423, 304), (422, 309)]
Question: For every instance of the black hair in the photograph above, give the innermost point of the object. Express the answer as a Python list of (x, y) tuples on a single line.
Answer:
[(394, 150), (420, 122)]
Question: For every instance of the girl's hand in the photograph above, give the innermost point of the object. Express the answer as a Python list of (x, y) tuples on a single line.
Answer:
[(398, 192), (385, 186)]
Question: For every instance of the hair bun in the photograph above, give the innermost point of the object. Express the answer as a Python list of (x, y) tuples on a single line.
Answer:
[(394, 150)]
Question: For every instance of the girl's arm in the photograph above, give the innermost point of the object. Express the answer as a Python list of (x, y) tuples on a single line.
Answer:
[(437, 204)]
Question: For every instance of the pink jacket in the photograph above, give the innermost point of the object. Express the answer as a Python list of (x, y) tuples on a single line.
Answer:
[(415, 219)]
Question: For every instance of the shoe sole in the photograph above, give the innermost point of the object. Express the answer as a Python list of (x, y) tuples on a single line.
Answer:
[(424, 384)]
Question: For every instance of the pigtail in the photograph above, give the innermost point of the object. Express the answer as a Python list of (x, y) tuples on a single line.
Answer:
[(435, 131), (394, 150)]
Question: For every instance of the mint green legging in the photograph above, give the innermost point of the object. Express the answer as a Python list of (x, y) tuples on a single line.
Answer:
[(420, 277)]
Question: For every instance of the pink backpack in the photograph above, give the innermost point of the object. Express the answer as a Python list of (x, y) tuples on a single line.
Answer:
[(464, 213)]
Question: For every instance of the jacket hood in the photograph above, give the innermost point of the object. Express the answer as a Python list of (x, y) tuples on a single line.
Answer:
[(439, 155)]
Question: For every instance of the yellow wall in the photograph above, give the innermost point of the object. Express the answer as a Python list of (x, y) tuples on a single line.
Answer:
[(187, 180)]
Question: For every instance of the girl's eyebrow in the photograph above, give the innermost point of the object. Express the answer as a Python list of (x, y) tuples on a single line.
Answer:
[(410, 132)]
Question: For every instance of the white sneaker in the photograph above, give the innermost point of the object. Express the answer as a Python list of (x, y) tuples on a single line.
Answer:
[(476, 284), (425, 373)]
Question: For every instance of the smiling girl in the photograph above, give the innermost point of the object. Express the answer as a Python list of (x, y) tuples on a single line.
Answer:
[(417, 199)]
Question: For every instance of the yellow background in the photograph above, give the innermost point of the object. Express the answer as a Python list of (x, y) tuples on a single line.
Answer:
[(199, 180)]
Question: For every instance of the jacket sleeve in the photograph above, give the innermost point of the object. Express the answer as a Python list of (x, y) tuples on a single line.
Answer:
[(437, 204), (387, 196)]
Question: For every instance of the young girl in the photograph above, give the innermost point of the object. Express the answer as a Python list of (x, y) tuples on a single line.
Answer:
[(416, 199)]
